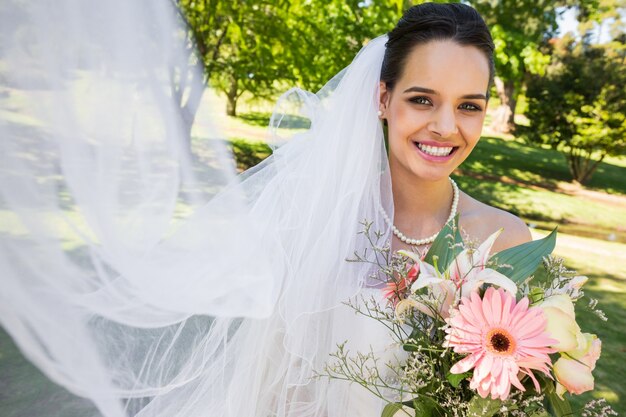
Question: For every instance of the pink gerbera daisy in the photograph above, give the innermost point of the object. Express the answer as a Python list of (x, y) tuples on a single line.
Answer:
[(502, 338)]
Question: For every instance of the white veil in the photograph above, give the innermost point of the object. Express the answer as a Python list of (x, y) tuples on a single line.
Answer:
[(137, 269)]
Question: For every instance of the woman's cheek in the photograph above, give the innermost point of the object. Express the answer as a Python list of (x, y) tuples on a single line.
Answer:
[(471, 131)]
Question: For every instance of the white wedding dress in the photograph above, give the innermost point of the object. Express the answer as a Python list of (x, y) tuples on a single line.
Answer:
[(138, 270), (364, 334)]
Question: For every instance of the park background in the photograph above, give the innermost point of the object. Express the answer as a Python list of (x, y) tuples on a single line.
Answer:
[(553, 149)]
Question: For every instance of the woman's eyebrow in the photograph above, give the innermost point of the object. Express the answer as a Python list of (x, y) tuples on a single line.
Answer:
[(417, 89), (420, 90), (475, 96)]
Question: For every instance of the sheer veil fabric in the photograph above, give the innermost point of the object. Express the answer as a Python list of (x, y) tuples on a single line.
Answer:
[(151, 279)]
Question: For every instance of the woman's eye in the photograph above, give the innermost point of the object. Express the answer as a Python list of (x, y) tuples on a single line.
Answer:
[(420, 100), (470, 107)]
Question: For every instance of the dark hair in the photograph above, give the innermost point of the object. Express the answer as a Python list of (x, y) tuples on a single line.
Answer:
[(435, 21)]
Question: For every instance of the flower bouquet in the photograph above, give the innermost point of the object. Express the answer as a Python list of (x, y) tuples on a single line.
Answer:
[(479, 335)]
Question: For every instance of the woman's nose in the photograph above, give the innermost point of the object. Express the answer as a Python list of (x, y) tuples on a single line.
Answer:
[(443, 123)]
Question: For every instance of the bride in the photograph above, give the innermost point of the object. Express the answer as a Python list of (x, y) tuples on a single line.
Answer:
[(155, 283)]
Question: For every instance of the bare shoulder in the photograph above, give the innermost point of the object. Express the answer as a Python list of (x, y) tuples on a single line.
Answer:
[(479, 221)]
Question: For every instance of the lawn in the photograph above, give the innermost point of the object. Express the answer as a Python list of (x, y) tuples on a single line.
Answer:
[(533, 183)]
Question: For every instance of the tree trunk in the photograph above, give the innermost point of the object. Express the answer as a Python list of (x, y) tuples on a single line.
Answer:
[(581, 166), (232, 96), (503, 118)]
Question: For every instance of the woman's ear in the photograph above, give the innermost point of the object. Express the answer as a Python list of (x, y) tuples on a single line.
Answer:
[(383, 99)]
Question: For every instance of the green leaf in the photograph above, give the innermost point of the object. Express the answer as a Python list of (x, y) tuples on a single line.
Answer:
[(447, 245), (455, 379), (391, 409), (555, 406), (425, 407), (522, 261), (483, 407), (410, 347)]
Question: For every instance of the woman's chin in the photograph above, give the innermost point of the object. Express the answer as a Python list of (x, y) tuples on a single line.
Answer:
[(431, 174)]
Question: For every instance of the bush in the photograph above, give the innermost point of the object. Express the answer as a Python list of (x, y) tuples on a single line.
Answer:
[(579, 106)]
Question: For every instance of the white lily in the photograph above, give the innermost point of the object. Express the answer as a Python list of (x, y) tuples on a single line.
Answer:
[(469, 269), (464, 275)]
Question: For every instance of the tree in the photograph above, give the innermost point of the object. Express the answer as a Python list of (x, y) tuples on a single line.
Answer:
[(520, 30), (601, 13), (203, 33), (240, 44), (329, 33), (260, 46), (579, 106)]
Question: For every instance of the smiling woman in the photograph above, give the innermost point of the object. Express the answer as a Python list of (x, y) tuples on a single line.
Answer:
[(434, 90), (140, 273)]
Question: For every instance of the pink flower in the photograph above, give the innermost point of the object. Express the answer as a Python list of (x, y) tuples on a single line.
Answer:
[(394, 291), (502, 338)]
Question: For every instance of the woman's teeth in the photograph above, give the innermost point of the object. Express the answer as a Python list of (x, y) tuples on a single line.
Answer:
[(435, 150)]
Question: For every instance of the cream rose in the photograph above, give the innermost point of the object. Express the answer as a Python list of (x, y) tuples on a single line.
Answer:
[(561, 322), (573, 369)]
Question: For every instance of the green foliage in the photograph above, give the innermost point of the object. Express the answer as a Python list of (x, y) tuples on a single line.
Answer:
[(447, 245), (483, 407), (425, 407), (327, 34), (519, 262), (260, 46), (455, 379), (553, 404), (391, 409), (519, 30), (601, 12), (242, 45), (248, 154), (575, 110)]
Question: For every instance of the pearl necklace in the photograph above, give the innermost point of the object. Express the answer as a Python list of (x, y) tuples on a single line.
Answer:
[(418, 242)]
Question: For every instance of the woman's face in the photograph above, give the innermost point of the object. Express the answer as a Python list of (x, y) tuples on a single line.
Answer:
[(436, 110)]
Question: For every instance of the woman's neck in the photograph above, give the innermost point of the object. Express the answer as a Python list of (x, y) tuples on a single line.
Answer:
[(421, 207)]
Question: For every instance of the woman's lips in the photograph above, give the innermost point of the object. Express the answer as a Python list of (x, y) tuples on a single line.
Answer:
[(435, 152)]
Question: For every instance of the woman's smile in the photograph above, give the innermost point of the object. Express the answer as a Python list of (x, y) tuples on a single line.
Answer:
[(435, 152)]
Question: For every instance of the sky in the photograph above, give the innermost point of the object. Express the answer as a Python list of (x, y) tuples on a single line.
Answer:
[(568, 23)]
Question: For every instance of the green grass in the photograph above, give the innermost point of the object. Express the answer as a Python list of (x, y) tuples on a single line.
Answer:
[(262, 119), (547, 208), (539, 166), (248, 154), (528, 182)]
